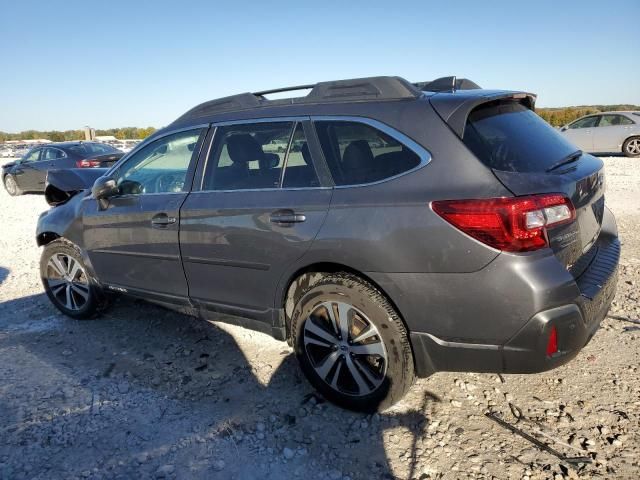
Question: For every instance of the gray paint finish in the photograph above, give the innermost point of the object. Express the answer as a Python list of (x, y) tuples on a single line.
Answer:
[(461, 300)]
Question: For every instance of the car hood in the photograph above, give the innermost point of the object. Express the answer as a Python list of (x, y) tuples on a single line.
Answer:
[(61, 185)]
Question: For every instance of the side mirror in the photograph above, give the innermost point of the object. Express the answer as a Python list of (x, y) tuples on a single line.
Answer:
[(563, 129), (104, 187)]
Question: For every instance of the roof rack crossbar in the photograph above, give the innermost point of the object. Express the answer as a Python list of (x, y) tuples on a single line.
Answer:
[(284, 89)]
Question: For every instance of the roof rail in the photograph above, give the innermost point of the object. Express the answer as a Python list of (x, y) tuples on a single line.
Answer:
[(353, 90), (285, 89), (447, 84)]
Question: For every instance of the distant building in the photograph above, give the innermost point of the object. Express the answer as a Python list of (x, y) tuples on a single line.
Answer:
[(105, 138)]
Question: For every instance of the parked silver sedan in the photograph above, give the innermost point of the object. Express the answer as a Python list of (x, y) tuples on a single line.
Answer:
[(606, 132)]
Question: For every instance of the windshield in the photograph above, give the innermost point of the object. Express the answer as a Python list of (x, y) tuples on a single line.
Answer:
[(508, 136)]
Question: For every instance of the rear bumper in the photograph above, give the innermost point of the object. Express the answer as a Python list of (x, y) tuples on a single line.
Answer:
[(576, 322)]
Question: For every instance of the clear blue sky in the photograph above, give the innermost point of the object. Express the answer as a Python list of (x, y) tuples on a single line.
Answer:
[(66, 64)]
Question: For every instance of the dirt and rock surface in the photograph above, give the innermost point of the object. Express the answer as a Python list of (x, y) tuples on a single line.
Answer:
[(146, 393)]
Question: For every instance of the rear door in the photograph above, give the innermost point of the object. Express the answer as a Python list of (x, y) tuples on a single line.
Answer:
[(259, 207), (530, 157), (581, 132), (610, 133), (132, 241)]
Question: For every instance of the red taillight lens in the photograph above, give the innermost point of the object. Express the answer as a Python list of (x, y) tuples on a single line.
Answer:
[(87, 163), (552, 343), (514, 224)]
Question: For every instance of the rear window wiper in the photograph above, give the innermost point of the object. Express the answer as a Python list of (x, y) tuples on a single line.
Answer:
[(568, 159)]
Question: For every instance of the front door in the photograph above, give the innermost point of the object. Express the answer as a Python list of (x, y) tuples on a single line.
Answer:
[(580, 133), (258, 210), (31, 172), (132, 241)]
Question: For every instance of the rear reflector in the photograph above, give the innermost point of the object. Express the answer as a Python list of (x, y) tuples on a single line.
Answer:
[(87, 163), (512, 224), (552, 343)]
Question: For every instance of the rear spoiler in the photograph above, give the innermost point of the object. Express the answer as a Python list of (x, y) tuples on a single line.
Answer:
[(454, 108), (61, 185)]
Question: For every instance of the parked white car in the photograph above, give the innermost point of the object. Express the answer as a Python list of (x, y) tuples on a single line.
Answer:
[(606, 132)]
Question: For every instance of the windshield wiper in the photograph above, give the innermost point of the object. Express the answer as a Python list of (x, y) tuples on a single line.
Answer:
[(568, 159)]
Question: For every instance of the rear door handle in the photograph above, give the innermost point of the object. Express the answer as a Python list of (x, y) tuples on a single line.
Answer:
[(286, 217), (162, 220)]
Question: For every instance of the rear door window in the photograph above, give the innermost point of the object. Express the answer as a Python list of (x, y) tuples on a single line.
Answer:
[(614, 120), (509, 136), (264, 155), (358, 153)]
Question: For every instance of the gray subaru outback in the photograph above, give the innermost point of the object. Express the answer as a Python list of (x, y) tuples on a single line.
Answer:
[(385, 229)]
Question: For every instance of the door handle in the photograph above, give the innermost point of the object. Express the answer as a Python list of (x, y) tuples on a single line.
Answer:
[(287, 217), (162, 220)]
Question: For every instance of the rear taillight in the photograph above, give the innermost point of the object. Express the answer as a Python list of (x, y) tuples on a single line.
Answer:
[(87, 163), (512, 224), (552, 342)]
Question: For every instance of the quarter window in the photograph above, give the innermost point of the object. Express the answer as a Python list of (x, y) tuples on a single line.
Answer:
[(160, 167), (259, 156), (357, 153)]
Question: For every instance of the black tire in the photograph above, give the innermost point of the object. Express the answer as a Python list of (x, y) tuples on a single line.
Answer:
[(11, 186), (363, 298), (95, 301), (631, 147)]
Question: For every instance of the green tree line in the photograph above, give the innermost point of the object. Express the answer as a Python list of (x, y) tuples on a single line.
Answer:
[(62, 136), (555, 116)]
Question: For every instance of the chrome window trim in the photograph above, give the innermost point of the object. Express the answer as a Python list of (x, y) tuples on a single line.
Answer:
[(150, 139), (423, 153)]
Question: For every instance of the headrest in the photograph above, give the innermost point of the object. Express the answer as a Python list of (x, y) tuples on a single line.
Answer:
[(243, 148), (357, 155)]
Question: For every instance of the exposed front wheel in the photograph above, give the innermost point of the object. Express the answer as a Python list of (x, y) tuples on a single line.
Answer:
[(631, 147), (66, 281), (351, 344), (11, 186)]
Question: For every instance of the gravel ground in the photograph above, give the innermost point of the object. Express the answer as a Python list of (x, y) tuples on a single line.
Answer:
[(146, 393)]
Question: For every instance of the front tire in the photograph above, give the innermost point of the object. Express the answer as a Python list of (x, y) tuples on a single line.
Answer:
[(67, 282), (11, 186), (351, 344), (631, 147)]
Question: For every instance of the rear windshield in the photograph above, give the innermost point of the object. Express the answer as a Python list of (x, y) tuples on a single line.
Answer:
[(509, 136), (93, 149)]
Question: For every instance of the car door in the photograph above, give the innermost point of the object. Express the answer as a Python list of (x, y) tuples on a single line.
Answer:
[(580, 132), (132, 241), (254, 214), (610, 133), (27, 173)]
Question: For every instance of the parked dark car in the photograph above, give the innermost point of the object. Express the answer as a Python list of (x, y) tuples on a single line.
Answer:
[(416, 228), (29, 173)]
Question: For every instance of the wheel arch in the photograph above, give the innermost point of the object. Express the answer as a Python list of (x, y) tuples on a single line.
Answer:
[(47, 237), (305, 276)]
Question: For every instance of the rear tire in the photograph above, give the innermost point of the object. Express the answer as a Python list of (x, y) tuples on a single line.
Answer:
[(67, 281), (371, 366), (631, 147), (11, 186)]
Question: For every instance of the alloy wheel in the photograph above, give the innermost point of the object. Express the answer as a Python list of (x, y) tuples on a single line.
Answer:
[(633, 147), (345, 348), (10, 184), (68, 281)]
